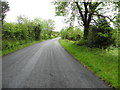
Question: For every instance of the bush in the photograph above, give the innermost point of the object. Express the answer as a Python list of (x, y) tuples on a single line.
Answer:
[(116, 37), (71, 33), (26, 31), (100, 36), (81, 42)]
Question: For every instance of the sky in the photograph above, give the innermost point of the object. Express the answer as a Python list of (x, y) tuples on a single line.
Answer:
[(34, 9)]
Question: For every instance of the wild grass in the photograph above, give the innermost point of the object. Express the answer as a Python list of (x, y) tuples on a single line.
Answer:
[(14, 46), (103, 63)]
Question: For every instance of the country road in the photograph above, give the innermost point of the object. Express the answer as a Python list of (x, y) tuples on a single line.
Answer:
[(46, 65)]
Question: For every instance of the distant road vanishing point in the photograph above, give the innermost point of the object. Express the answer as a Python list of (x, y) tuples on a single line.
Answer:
[(46, 65)]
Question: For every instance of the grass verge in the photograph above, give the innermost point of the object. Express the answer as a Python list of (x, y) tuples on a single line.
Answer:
[(7, 51), (103, 63)]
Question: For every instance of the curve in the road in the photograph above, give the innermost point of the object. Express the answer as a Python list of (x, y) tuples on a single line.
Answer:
[(46, 65)]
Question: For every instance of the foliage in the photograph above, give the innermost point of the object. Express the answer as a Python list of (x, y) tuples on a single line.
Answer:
[(100, 35), (71, 33), (103, 63), (26, 31), (116, 37), (85, 12), (48, 26), (81, 42), (18, 46), (117, 24), (4, 7)]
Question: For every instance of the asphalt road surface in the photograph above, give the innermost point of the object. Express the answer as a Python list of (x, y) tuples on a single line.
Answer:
[(46, 65)]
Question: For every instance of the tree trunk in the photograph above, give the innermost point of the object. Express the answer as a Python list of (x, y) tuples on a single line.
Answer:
[(86, 29)]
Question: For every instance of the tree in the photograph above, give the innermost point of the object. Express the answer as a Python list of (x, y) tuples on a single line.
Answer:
[(100, 35), (117, 24), (25, 31), (84, 11), (37, 31), (48, 27), (4, 6), (71, 33)]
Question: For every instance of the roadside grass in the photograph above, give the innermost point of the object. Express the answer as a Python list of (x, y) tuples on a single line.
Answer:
[(18, 47), (103, 63)]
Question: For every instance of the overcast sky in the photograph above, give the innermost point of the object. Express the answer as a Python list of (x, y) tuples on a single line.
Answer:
[(33, 9), (36, 9)]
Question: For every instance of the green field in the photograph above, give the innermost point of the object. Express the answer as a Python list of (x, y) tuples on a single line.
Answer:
[(102, 63)]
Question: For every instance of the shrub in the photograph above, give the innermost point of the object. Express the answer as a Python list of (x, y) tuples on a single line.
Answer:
[(81, 42), (71, 33), (100, 36)]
